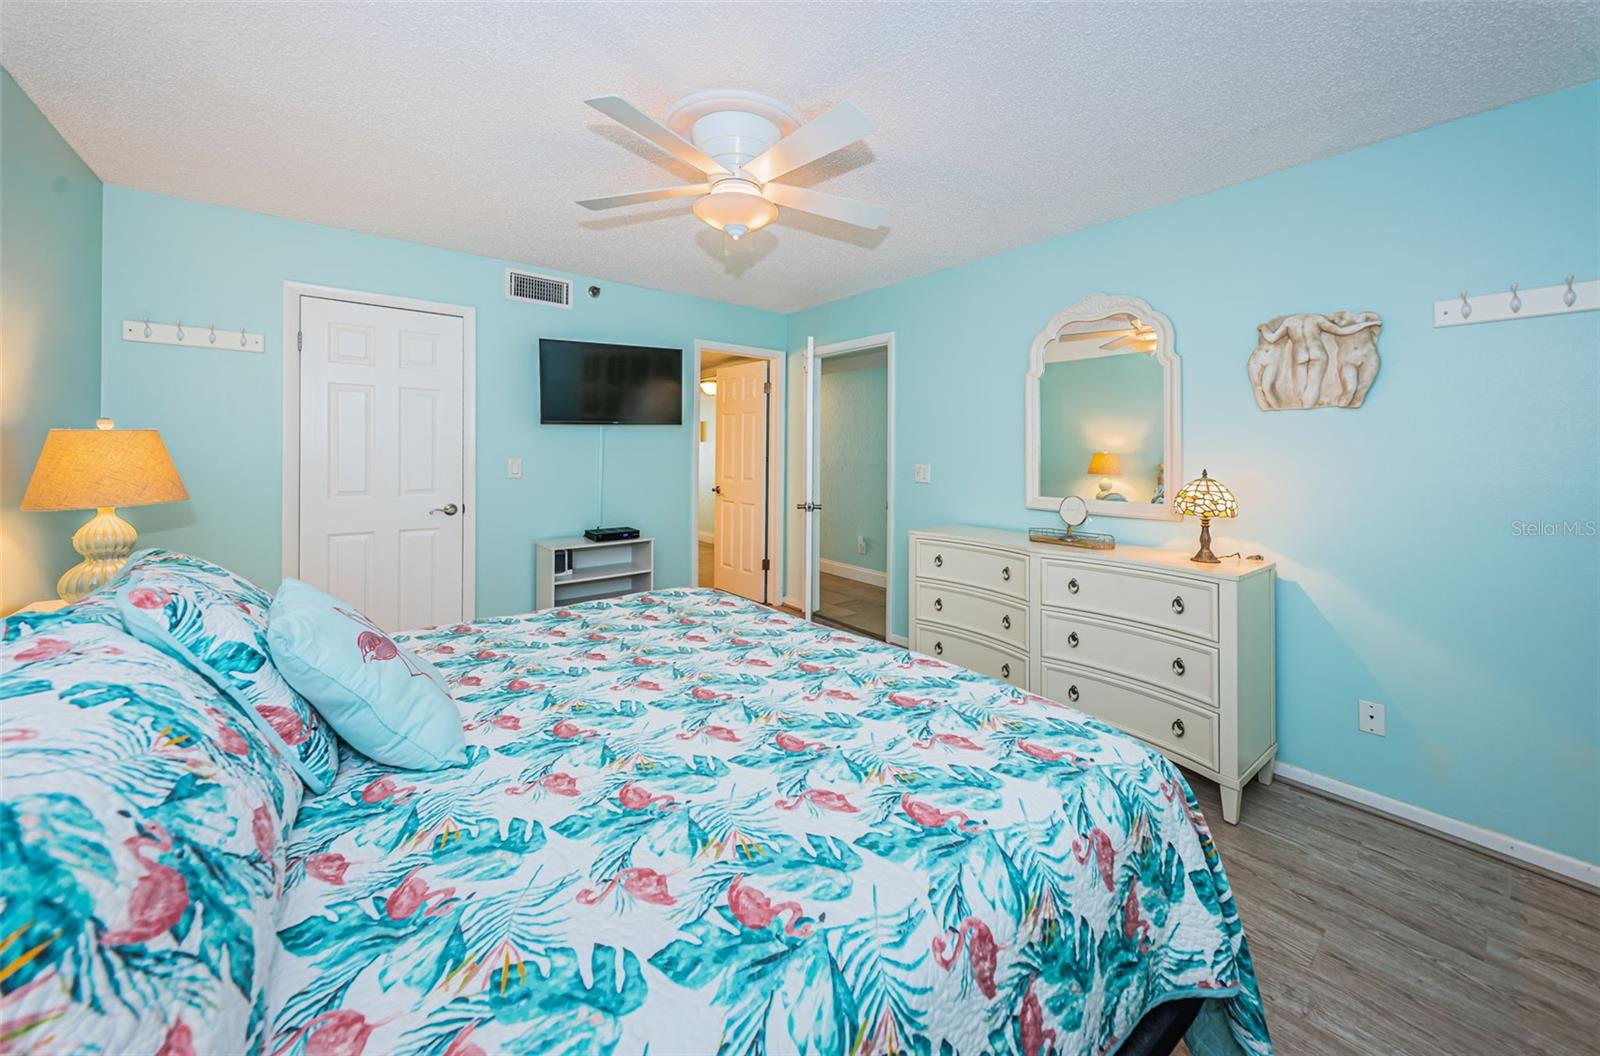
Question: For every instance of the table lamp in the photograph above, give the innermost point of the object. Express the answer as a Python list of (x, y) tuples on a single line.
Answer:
[(1205, 498), (1105, 465), (100, 469)]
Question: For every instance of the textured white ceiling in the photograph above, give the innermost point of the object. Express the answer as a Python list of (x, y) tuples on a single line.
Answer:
[(463, 126)]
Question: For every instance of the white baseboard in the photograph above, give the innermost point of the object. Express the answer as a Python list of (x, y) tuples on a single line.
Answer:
[(793, 603), (899, 639), (855, 572), (708, 538), (1575, 869)]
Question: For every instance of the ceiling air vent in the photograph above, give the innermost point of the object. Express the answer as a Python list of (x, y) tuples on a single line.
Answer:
[(541, 289)]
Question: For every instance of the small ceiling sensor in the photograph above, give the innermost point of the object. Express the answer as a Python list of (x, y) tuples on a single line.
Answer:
[(594, 291)]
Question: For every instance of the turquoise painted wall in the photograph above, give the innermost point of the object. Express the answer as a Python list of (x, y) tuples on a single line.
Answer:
[(854, 460), (49, 332), (1407, 576), (221, 412)]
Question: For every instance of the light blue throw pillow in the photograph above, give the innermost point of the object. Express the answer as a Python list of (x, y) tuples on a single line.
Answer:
[(385, 701)]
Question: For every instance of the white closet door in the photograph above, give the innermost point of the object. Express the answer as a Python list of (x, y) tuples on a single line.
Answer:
[(741, 480), (811, 507), (382, 447)]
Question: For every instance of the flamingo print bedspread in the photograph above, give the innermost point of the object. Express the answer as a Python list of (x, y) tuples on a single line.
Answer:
[(691, 824)]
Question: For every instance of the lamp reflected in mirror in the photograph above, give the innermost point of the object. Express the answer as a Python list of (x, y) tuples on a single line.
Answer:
[(1105, 465)]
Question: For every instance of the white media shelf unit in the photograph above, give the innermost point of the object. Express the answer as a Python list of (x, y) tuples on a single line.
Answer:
[(594, 570)]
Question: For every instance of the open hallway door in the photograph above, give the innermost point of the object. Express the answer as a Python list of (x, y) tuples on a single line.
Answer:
[(810, 508), (740, 492)]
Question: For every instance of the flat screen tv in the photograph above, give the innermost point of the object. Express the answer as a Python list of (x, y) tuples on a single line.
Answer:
[(585, 383)]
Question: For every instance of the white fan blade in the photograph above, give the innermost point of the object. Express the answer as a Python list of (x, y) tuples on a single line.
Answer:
[(686, 190), (626, 114), (839, 127), (847, 210), (1133, 341)]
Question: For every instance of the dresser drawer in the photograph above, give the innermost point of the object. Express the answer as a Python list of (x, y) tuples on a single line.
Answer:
[(996, 617), (1170, 602), (1174, 727), (1171, 663), (956, 648), (993, 570)]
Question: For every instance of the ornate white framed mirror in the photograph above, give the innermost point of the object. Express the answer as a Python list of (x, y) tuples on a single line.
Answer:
[(1102, 410)]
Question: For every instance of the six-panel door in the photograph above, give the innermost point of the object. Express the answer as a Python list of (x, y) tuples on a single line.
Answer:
[(382, 447)]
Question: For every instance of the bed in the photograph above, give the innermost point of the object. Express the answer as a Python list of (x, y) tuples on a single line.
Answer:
[(688, 824)]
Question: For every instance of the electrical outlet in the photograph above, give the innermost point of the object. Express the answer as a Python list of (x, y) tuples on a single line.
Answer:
[(922, 473), (861, 544), (514, 468), (1372, 718)]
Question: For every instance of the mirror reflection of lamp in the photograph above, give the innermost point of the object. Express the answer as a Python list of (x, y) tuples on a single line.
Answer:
[(1105, 465)]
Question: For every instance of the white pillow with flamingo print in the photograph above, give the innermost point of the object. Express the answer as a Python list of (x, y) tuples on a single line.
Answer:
[(386, 702)]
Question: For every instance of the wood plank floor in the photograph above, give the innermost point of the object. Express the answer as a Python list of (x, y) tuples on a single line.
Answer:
[(856, 606), (852, 604), (707, 571), (1372, 937)]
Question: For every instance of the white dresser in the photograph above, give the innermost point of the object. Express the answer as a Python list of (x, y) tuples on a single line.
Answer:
[(1178, 654)]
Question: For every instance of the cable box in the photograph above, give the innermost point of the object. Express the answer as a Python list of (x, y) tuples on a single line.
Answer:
[(610, 535)]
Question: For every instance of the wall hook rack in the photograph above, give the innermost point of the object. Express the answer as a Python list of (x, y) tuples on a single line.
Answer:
[(1516, 303), (166, 334)]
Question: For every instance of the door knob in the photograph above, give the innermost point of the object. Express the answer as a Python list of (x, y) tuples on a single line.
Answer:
[(449, 509), (716, 489)]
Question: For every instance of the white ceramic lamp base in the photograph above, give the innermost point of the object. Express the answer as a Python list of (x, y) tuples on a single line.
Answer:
[(105, 541)]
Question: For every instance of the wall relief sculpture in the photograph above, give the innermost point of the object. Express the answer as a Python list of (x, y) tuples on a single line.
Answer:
[(1304, 361)]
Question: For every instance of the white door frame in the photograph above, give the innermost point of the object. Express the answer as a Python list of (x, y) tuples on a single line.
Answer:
[(776, 364), (814, 573), (292, 292)]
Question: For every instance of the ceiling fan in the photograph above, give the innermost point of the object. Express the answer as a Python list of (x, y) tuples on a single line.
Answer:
[(743, 142)]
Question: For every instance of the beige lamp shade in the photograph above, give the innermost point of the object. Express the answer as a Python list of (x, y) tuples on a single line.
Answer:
[(1104, 464), (86, 469), (1205, 496)]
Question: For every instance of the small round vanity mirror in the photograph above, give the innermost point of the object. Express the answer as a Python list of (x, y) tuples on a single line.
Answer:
[(1074, 511)]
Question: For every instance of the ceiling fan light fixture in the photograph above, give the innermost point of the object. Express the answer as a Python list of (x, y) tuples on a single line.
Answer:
[(735, 206)]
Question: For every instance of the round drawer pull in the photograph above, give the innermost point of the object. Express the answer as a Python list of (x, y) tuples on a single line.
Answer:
[(1177, 727), (938, 560), (1072, 694), (1177, 666), (1005, 621), (1072, 639), (938, 648), (1072, 586), (1177, 606), (1005, 670), (1005, 573), (938, 604)]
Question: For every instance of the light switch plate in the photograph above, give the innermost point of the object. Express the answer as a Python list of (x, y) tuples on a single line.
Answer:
[(922, 473), (514, 468)]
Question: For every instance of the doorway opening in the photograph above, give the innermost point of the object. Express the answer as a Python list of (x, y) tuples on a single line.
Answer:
[(737, 469), (847, 514)]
